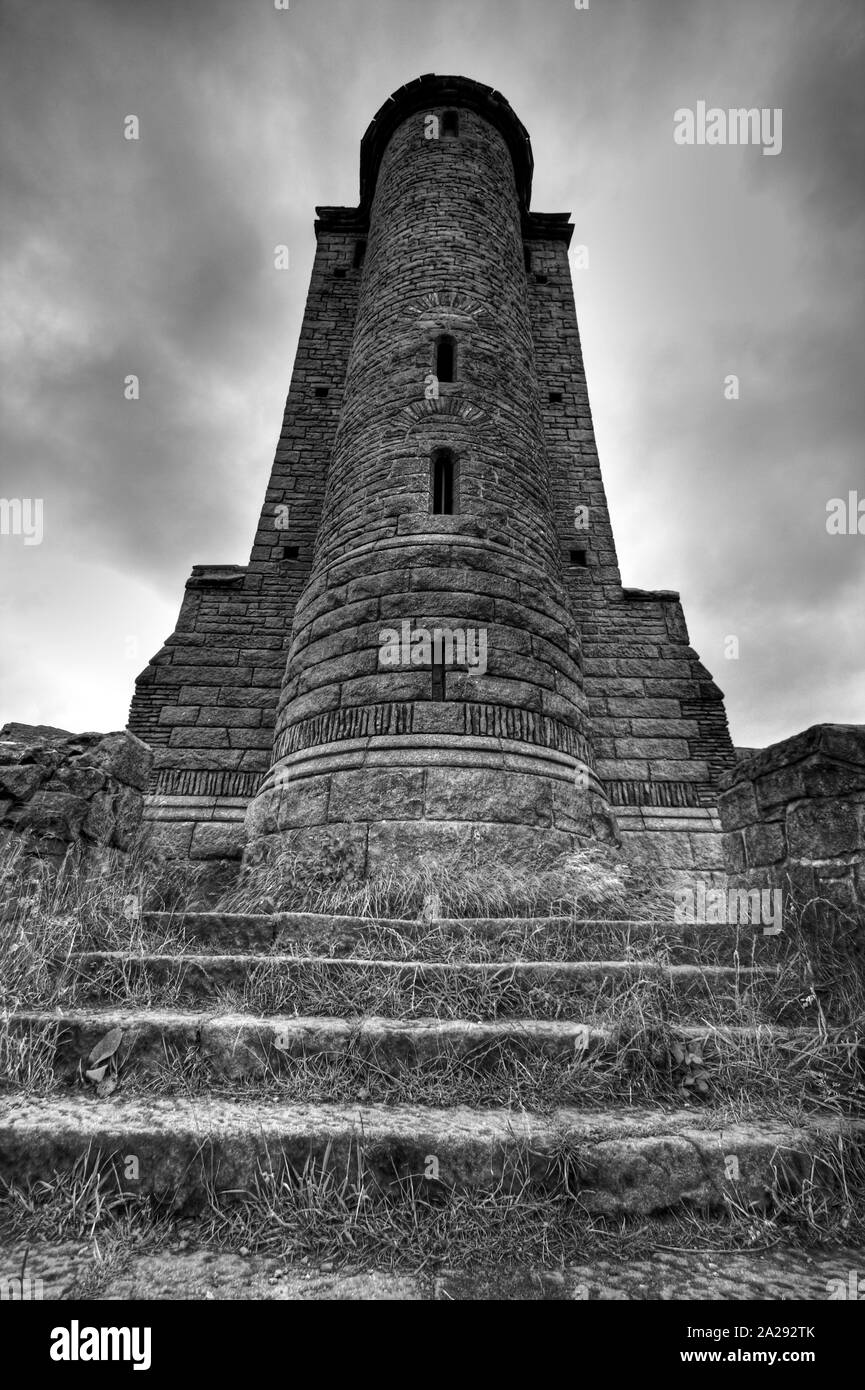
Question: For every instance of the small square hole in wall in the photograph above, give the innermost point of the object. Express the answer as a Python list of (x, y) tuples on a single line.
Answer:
[(540, 279), (555, 398), (321, 392), (339, 273), (578, 558), (290, 552)]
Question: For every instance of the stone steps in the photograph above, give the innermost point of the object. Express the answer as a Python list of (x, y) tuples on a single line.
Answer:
[(239, 1045), (615, 1162), (234, 966), (293, 982), (230, 1032), (590, 938)]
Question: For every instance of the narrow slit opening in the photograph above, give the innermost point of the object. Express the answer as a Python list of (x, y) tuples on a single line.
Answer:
[(444, 483), (445, 358)]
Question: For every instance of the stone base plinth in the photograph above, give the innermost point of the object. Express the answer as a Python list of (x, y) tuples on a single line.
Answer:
[(387, 799)]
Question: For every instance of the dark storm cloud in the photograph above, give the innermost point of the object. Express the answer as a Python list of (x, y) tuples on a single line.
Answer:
[(155, 257)]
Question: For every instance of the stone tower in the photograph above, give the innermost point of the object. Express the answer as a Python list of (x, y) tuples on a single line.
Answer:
[(431, 647)]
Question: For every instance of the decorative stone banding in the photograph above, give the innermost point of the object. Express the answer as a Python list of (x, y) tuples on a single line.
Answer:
[(497, 721)]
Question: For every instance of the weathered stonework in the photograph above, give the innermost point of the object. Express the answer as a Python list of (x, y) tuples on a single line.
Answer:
[(62, 792), (592, 717), (793, 816)]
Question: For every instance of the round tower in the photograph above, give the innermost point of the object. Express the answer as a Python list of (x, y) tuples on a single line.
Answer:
[(433, 694)]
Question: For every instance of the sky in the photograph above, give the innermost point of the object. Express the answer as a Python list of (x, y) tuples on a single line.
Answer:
[(155, 257)]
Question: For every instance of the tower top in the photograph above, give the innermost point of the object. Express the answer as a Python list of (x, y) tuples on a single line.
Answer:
[(429, 91)]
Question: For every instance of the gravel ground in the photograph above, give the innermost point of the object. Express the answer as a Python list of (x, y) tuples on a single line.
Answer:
[(74, 1271)]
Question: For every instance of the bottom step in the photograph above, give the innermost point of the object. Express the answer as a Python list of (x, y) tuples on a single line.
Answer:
[(620, 1162)]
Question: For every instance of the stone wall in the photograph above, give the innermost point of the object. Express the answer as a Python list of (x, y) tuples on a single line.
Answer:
[(793, 816), (61, 791)]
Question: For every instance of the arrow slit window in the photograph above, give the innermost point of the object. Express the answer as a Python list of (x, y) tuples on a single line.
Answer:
[(444, 482)]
